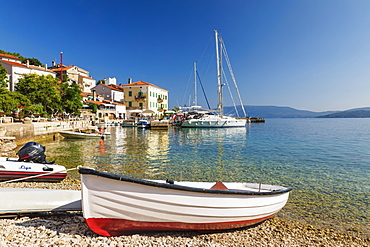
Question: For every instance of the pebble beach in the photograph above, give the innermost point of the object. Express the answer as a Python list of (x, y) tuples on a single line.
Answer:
[(69, 229)]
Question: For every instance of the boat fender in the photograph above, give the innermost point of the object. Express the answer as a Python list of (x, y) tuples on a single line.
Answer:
[(169, 181)]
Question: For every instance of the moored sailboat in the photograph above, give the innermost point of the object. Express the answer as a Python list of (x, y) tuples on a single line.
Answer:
[(209, 119)]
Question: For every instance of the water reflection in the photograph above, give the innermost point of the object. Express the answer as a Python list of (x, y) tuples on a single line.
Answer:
[(188, 154), (325, 168)]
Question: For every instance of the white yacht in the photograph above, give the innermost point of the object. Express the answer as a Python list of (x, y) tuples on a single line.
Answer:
[(195, 117)]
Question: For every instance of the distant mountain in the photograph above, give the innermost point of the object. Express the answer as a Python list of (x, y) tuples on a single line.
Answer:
[(274, 112), (289, 112), (354, 113)]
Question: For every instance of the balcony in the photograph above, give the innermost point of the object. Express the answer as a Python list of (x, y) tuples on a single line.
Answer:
[(140, 98), (159, 100)]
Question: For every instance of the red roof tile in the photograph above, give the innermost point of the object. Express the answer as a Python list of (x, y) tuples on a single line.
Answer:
[(9, 56), (114, 88), (64, 68), (142, 83), (95, 102), (14, 63), (24, 66), (87, 94)]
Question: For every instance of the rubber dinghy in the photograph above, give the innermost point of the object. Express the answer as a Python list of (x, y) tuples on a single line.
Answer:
[(32, 165), (114, 205)]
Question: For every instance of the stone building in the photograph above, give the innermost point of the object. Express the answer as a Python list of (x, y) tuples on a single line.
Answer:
[(146, 97), (76, 75)]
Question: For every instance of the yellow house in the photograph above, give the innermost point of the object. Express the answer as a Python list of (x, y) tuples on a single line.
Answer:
[(145, 96)]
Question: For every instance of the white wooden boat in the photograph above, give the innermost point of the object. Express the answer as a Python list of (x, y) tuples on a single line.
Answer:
[(25, 200), (79, 135), (113, 205), (11, 168)]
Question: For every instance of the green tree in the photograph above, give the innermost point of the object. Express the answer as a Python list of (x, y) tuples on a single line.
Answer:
[(32, 61), (11, 101), (71, 98), (3, 79), (42, 90), (93, 107), (28, 110)]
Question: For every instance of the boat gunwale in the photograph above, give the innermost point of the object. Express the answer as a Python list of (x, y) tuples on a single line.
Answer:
[(90, 171)]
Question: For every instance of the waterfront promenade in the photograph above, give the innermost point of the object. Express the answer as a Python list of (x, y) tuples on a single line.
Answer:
[(18, 133)]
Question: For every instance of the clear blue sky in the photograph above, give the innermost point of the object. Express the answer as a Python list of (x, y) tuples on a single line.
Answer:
[(307, 54)]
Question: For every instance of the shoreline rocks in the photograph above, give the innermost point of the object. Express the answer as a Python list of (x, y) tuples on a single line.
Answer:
[(69, 229)]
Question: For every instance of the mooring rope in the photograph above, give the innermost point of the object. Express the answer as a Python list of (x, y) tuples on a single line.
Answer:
[(40, 175)]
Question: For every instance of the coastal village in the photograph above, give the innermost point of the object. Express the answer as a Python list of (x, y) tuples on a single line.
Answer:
[(75, 212), (185, 123), (114, 101)]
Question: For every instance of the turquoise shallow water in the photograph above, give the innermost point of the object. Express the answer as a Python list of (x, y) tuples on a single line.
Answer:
[(325, 161)]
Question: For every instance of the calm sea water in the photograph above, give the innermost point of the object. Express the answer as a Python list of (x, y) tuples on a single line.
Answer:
[(325, 161)]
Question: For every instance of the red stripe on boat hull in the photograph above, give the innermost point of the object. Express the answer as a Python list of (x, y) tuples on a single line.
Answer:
[(10, 175), (116, 227)]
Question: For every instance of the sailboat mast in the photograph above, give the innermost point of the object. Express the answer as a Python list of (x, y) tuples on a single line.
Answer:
[(195, 103), (219, 75)]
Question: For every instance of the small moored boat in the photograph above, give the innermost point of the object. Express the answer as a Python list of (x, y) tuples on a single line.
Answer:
[(79, 135), (129, 123), (32, 165), (114, 205), (143, 123)]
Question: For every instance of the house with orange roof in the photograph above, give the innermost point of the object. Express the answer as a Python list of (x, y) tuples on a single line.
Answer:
[(16, 69), (107, 109), (76, 75), (146, 97), (90, 96), (111, 92)]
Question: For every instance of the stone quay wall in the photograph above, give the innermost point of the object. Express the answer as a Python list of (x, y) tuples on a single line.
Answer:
[(13, 134)]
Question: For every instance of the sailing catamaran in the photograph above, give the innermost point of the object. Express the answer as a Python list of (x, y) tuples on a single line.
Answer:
[(197, 118)]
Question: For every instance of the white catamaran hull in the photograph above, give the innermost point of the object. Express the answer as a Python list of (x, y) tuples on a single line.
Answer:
[(114, 205), (214, 123)]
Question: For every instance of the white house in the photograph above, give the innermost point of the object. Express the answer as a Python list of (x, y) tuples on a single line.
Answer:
[(112, 93), (15, 69), (110, 81), (76, 75)]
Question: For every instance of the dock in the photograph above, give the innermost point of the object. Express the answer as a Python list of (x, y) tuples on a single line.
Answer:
[(160, 124)]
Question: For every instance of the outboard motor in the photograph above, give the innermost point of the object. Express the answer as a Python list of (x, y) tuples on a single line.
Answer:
[(32, 152)]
